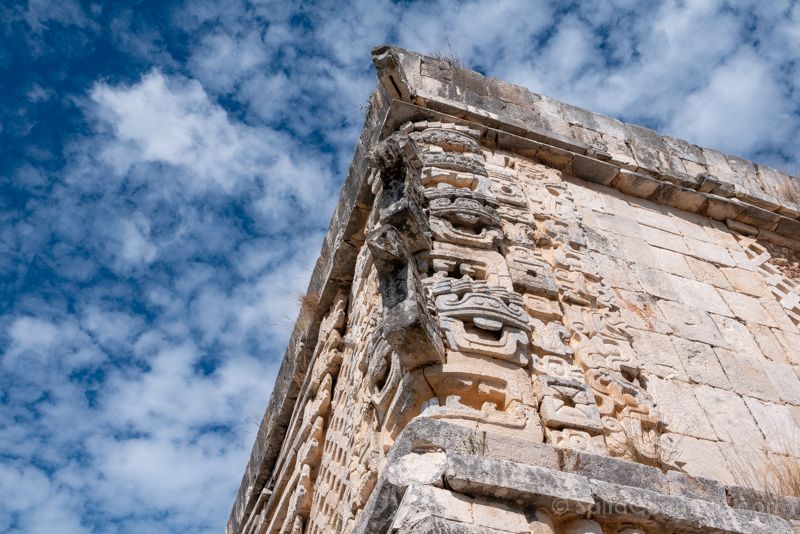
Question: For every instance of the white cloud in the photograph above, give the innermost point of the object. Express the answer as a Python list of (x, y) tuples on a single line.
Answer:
[(173, 122), (221, 59), (188, 217), (136, 248), (742, 107)]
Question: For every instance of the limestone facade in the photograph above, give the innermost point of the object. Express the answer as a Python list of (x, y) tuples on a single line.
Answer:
[(536, 319)]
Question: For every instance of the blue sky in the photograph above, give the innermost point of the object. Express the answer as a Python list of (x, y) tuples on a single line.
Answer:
[(167, 172)]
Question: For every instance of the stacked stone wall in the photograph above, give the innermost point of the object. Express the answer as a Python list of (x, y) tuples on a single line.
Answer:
[(520, 338)]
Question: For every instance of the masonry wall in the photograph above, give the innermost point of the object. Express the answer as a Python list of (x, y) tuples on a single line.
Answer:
[(703, 307), (512, 339)]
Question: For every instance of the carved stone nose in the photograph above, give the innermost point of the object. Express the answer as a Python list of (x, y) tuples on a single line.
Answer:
[(484, 323)]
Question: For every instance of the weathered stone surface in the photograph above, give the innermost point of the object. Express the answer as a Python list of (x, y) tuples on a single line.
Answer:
[(513, 481), (699, 514), (701, 363), (729, 416), (680, 408), (532, 318)]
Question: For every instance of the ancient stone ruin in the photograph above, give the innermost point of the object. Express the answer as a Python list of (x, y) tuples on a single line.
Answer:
[(531, 318)]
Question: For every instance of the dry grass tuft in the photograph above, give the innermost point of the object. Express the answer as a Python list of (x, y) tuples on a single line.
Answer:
[(309, 307), (777, 475), (449, 56), (646, 448), (773, 477), (309, 302), (790, 190)]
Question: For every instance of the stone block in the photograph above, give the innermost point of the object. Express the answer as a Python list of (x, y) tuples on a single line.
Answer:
[(791, 344), (721, 208), (684, 150), (653, 281), (657, 355), (788, 228), (616, 272), (767, 343), (596, 467), (712, 252), (672, 262), (744, 281), (729, 416), (499, 447), (757, 500), (690, 487), (747, 308), (691, 225), (782, 187), (720, 234), (423, 500), (760, 218), (640, 310), (700, 457), (635, 503), (655, 216), (746, 374), (707, 272), (679, 408), (429, 524), (663, 239), (741, 227), (691, 324), (737, 335), (701, 363), (699, 295), (680, 196), (593, 170), (636, 184), (784, 380), (776, 423), (509, 480), (636, 250), (500, 516), (426, 467), (619, 224)]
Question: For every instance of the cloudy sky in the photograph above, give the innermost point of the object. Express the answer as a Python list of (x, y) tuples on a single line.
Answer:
[(167, 171)]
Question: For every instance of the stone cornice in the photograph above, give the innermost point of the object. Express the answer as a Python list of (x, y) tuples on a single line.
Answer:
[(751, 197)]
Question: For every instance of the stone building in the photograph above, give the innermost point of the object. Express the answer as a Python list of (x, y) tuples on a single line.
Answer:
[(527, 317)]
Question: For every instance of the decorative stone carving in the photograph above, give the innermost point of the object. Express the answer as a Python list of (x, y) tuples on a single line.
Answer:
[(455, 161), (517, 233), (567, 403), (618, 394), (630, 421), (508, 192), (400, 201), (484, 320), (433, 178), (575, 289), (550, 199), (557, 366), (463, 217), (407, 324), (449, 140), (569, 438), (542, 308), (474, 391), (548, 338), (411, 395), (530, 272), (611, 354), (327, 353), (456, 262)]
